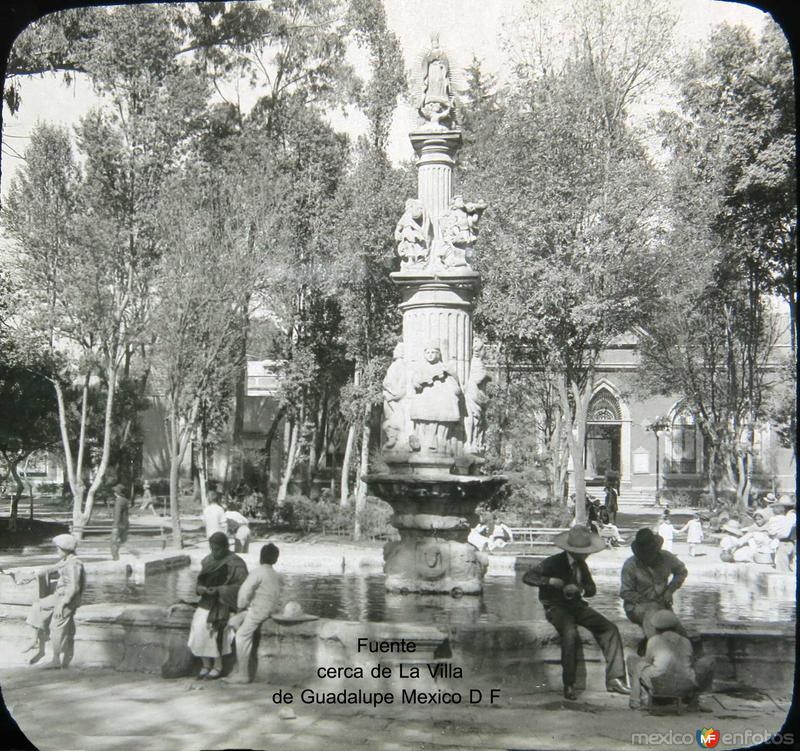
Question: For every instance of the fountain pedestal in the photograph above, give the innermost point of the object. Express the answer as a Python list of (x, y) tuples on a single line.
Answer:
[(435, 390), (434, 514)]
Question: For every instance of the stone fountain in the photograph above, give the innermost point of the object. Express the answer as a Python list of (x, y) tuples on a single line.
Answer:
[(432, 434)]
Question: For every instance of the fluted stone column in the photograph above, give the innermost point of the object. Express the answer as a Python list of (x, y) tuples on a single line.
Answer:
[(436, 151)]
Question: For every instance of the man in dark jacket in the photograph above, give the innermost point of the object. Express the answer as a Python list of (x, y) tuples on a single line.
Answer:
[(611, 501), (563, 580)]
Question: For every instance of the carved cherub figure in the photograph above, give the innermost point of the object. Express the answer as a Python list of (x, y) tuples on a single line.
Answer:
[(458, 228)]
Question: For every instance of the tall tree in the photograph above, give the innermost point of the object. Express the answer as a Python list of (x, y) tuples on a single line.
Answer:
[(733, 195), (572, 253)]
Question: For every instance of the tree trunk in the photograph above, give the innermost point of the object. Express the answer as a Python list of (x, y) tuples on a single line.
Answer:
[(174, 507), (361, 485), (266, 467), (19, 487), (290, 463), (104, 457), (344, 492), (75, 482), (575, 423)]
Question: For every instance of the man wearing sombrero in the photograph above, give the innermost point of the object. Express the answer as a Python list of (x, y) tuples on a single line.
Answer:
[(563, 579), (650, 577)]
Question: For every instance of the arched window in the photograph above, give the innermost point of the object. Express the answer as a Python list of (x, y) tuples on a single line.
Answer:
[(683, 436), (604, 407)]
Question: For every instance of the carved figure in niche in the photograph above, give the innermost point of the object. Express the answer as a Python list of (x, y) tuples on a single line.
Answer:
[(476, 400), (435, 407), (436, 101), (458, 228), (396, 423), (411, 235)]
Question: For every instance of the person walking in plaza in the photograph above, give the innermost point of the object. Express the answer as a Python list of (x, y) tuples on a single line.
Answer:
[(694, 533), (210, 635), (120, 521), (54, 615), (668, 666), (611, 501), (257, 600), (563, 580), (650, 577), (147, 503), (214, 516)]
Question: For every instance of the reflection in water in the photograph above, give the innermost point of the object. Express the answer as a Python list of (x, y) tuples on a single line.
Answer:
[(504, 599)]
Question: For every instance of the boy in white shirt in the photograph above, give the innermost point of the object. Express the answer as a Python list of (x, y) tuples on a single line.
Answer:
[(260, 594)]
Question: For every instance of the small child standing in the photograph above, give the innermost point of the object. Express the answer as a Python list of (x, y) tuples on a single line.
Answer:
[(666, 531), (694, 533)]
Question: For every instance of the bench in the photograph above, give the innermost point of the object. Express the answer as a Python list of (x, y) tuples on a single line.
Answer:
[(542, 537)]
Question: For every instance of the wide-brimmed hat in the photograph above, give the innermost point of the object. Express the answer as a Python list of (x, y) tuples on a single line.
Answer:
[(119, 488), (646, 543), (65, 542), (293, 613), (579, 539), (664, 620), (733, 526), (783, 502), (770, 497)]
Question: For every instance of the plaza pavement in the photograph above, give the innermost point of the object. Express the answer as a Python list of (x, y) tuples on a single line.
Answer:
[(103, 710)]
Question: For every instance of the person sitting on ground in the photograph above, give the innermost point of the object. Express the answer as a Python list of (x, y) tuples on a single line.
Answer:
[(666, 531), (239, 527), (650, 577), (259, 598), (563, 579), (694, 533), (729, 542), (479, 536), (500, 535), (668, 667), (755, 545), (210, 635), (608, 531), (55, 613), (782, 526), (214, 515)]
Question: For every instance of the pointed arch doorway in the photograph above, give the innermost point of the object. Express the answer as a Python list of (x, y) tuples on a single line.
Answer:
[(607, 436)]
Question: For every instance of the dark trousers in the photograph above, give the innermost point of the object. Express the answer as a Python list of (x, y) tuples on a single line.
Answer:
[(566, 622)]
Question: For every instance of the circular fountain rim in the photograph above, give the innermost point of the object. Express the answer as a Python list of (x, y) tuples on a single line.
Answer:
[(433, 478)]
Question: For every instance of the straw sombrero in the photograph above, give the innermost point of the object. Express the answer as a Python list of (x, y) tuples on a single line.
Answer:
[(579, 540), (293, 613)]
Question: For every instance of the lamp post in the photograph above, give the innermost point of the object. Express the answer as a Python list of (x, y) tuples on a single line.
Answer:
[(659, 425)]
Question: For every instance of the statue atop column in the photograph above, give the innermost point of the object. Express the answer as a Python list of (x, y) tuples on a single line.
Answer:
[(436, 101), (435, 403)]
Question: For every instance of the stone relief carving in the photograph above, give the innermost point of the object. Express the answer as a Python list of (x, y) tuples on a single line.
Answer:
[(458, 229), (435, 404), (436, 101), (411, 235), (396, 424), (476, 400)]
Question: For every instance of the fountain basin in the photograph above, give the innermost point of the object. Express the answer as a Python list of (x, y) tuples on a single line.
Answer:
[(433, 512)]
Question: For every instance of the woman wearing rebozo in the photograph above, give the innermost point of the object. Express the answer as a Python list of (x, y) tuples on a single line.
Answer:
[(211, 636)]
